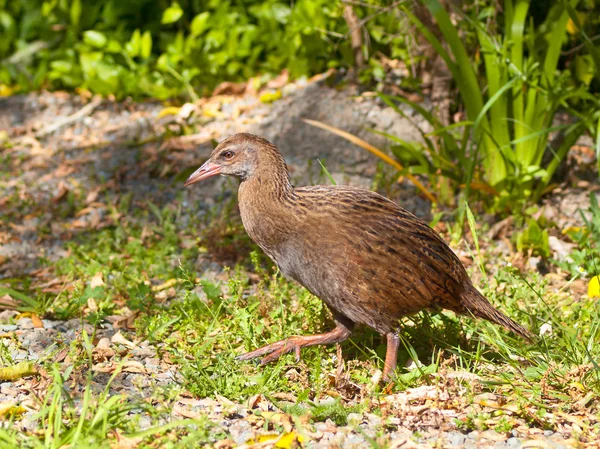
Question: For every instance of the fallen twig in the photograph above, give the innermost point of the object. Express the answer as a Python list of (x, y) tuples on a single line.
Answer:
[(75, 117)]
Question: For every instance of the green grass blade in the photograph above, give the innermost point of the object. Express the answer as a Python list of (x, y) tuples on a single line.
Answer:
[(497, 79), (464, 75), (489, 105), (555, 44), (27, 300), (515, 38), (571, 136), (449, 141), (414, 147), (327, 173)]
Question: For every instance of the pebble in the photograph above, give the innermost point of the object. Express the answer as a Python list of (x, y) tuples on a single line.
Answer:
[(25, 323), (355, 439), (374, 420), (455, 438), (354, 419), (513, 442)]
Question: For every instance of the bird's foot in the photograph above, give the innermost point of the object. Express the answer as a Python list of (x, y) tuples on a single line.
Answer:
[(275, 350)]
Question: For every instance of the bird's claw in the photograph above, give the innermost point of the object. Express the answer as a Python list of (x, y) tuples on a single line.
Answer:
[(273, 351)]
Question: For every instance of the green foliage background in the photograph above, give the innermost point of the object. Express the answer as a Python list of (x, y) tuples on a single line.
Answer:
[(161, 49)]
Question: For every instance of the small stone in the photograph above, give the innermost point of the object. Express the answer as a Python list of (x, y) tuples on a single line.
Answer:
[(374, 420), (25, 323), (533, 262), (321, 426), (513, 442), (455, 438), (354, 419), (355, 440)]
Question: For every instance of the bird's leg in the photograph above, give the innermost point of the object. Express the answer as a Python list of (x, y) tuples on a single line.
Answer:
[(275, 350), (391, 356)]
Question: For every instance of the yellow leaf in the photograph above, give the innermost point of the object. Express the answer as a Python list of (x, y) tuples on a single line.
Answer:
[(212, 110), (284, 441), (571, 28), (170, 110), (14, 372), (165, 285), (571, 229), (10, 409), (594, 287), (288, 440), (270, 97), (6, 91)]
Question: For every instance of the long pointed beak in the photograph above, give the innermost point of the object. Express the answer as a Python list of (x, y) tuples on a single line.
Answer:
[(207, 170)]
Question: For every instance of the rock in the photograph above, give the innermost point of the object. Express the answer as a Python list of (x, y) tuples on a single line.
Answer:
[(25, 323), (513, 442), (561, 249), (454, 438)]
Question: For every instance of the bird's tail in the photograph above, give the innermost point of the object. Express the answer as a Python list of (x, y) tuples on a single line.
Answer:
[(479, 306)]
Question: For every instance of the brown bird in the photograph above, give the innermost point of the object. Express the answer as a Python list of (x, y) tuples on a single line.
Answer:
[(368, 259)]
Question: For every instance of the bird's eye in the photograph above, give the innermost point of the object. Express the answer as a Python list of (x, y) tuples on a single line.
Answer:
[(228, 154)]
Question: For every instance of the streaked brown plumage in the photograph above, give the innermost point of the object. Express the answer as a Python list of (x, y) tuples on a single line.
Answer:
[(368, 259)]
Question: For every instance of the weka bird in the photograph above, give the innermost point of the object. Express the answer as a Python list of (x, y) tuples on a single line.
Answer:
[(368, 259)]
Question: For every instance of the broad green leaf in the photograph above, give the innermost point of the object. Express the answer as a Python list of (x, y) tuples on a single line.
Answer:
[(133, 46), (172, 14), (62, 66), (199, 23), (94, 38), (75, 13), (113, 46), (146, 45)]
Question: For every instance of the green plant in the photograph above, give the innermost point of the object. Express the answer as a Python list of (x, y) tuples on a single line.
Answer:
[(586, 258), (512, 110), (533, 238), (167, 49)]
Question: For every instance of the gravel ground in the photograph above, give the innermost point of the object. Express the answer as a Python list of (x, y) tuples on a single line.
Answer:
[(122, 143), (144, 374)]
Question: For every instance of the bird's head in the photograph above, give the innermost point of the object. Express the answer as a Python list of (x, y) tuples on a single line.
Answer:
[(241, 155)]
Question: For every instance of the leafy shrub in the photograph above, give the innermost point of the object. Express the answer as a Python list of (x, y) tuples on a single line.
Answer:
[(512, 104), (159, 49)]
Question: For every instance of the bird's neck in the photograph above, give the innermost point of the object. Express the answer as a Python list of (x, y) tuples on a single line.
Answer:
[(268, 187), (265, 201)]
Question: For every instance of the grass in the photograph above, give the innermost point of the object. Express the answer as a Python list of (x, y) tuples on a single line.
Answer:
[(204, 322)]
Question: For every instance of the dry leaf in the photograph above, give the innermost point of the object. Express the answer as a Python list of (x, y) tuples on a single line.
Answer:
[(123, 442), (103, 351), (133, 366), (119, 339), (6, 302), (92, 305), (164, 285), (180, 411), (37, 322), (97, 280)]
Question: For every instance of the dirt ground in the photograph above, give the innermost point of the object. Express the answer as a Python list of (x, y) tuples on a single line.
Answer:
[(64, 146)]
